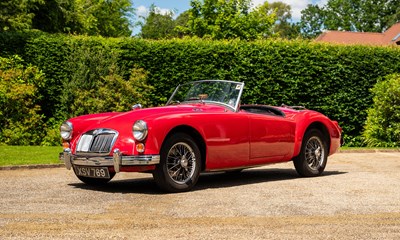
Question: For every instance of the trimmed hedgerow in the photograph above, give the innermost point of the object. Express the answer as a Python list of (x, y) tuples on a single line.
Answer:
[(334, 80)]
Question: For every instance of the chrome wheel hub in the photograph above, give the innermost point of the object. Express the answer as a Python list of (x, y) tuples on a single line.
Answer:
[(184, 162)]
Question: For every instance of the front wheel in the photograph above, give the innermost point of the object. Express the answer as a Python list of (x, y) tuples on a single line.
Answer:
[(313, 155), (180, 164)]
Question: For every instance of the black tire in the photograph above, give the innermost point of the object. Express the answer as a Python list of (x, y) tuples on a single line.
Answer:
[(180, 164), (313, 155), (95, 181)]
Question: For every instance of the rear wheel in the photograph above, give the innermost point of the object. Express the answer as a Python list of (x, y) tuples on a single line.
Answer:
[(313, 155), (180, 164)]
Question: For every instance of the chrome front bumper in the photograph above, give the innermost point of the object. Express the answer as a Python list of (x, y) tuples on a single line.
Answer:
[(117, 160)]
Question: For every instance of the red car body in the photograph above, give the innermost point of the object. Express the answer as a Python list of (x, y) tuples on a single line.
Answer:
[(227, 138)]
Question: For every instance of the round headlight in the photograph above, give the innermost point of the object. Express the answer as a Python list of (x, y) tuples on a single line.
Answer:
[(140, 130), (66, 130)]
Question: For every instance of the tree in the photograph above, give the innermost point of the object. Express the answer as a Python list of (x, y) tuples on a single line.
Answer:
[(282, 26), (56, 16), (157, 25), (96, 83), (16, 15), (312, 21), (229, 19), (110, 18), (350, 15), (181, 24)]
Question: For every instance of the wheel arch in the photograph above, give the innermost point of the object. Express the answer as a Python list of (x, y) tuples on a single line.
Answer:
[(324, 130), (192, 132), (301, 132)]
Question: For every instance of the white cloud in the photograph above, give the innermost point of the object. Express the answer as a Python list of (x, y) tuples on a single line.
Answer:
[(164, 10), (143, 11)]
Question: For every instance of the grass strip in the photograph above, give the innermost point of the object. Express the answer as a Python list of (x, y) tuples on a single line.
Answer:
[(28, 155)]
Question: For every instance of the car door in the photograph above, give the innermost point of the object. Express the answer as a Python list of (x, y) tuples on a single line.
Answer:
[(227, 139), (271, 137)]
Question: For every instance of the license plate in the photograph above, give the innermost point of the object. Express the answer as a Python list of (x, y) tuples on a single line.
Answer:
[(94, 172)]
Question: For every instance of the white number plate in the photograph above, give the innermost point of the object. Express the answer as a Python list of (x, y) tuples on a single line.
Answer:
[(94, 172)]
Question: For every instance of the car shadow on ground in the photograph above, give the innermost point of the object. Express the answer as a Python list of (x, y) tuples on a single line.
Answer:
[(206, 181)]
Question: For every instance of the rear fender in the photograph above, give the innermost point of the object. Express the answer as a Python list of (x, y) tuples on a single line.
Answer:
[(310, 120)]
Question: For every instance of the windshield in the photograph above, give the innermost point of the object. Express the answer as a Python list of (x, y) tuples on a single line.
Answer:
[(209, 91)]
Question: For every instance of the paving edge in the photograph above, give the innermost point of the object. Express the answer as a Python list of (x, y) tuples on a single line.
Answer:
[(33, 166), (59, 165), (368, 150)]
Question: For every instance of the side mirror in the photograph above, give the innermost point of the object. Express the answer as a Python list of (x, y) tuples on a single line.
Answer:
[(137, 106)]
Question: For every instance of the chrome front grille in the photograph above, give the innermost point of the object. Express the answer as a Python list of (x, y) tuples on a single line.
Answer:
[(98, 141)]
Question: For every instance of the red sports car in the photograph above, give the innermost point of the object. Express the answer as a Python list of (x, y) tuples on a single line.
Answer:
[(202, 128)]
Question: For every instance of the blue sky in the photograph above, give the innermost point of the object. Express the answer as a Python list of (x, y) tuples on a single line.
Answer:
[(180, 6)]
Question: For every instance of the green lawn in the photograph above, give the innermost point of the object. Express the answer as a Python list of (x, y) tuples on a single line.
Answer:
[(25, 155)]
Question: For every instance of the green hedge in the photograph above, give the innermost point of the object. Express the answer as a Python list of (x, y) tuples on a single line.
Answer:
[(335, 80)]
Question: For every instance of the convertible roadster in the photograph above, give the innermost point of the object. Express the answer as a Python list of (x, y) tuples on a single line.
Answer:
[(203, 127)]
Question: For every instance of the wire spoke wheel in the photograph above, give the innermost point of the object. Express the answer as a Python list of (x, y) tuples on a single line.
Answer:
[(315, 153), (181, 162)]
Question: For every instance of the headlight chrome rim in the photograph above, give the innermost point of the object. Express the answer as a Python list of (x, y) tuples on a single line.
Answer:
[(66, 129), (140, 130)]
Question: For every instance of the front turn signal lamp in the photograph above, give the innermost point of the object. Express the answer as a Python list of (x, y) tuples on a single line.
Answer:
[(140, 147)]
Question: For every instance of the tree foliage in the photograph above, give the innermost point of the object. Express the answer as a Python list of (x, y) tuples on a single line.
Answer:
[(312, 21), (56, 16), (219, 19), (96, 83), (283, 27), (20, 119), (17, 15), (110, 18), (350, 15), (181, 24), (231, 17), (157, 25), (382, 127)]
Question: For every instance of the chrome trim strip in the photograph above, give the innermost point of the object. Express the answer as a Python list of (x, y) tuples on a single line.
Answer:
[(116, 161)]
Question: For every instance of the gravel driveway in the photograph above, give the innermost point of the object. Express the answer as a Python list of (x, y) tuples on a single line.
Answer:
[(358, 197)]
